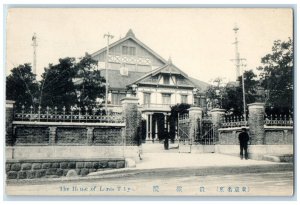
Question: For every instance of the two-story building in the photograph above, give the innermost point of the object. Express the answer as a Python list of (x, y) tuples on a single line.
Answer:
[(135, 69)]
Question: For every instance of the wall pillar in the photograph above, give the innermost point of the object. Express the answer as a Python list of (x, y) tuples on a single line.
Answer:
[(52, 135), (132, 119), (89, 135), (195, 116), (9, 117), (256, 123), (217, 116)]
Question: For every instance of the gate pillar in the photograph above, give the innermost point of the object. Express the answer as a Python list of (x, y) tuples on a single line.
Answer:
[(9, 115), (256, 123), (195, 117), (217, 116), (132, 120)]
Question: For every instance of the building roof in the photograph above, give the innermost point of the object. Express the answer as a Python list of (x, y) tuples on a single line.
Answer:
[(199, 84), (118, 81), (130, 35)]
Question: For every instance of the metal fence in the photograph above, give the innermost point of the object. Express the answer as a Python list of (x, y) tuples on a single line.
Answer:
[(279, 120), (73, 114), (234, 121)]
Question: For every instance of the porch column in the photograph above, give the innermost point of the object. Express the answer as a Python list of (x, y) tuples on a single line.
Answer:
[(150, 130), (147, 127), (156, 130)]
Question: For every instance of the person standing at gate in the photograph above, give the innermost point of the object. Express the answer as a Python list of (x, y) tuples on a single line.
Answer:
[(244, 139)]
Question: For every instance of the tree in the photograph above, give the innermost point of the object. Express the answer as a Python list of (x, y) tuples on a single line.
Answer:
[(230, 96), (90, 86), (233, 95), (21, 85), (71, 83), (277, 77), (57, 88)]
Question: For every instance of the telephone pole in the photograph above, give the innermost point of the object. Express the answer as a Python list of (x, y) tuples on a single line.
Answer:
[(238, 64), (34, 45), (237, 54), (108, 36)]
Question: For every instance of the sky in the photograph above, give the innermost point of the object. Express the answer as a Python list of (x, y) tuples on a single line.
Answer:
[(199, 41)]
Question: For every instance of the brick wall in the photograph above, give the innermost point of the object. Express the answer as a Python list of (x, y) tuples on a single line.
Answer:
[(107, 136), (71, 135), (229, 136), (30, 169), (279, 136), (33, 135)]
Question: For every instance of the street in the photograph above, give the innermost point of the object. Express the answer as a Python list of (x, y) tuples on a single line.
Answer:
[(250, 184)]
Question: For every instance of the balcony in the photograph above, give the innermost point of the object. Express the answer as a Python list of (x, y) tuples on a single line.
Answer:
[(157, 107)]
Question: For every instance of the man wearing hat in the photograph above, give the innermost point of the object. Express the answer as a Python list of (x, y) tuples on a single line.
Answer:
[(243, 139)]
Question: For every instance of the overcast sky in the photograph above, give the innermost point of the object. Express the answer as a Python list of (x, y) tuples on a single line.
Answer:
[(198, 40)]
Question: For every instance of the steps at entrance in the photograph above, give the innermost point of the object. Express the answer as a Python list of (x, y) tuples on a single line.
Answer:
[(159, 148)]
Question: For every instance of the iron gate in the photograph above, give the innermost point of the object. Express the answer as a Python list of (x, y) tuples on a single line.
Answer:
[(204, 132)]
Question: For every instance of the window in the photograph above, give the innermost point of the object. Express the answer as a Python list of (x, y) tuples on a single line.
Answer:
[(147, 98), (166, 98), (166, 80), (116, 98), (184, 98), (126, 50)]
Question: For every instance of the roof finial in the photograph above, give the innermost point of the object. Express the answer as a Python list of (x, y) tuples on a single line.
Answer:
[(170, 60), (130, 33)]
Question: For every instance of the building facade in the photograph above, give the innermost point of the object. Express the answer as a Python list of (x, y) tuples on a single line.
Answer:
[(134, 69)]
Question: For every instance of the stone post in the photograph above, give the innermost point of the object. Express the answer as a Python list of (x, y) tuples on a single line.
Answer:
[(9, 117), (89, 135), (256, 123), (52, 135), (217, 116), (195, 117), (132, 119)]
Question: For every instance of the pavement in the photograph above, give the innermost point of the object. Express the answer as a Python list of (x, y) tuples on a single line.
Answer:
[(177, 165)]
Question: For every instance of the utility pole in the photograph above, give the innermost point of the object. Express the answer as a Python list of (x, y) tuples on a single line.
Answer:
[(238, 64), (108, 36), (237, 54), (34, 45), (244, 97)]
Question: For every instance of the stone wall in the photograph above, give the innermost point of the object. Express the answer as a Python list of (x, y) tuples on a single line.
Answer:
[(69, 152), (30, 169)]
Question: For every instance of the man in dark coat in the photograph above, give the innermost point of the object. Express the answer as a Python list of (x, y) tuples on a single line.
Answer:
[(243, 139)]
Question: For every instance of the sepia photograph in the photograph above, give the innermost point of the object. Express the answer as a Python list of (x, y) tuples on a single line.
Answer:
[(149, 101)]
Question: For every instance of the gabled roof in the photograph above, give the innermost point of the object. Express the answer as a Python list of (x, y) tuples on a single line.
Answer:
[(130, 35), (168, 68), (172, 69)]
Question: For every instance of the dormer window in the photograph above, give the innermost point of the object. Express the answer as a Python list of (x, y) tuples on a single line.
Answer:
[(127, 50), (166, 80)]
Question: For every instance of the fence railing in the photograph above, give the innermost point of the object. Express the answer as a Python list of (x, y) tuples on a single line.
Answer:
[(234, 121), (279, 120), (73, 114)]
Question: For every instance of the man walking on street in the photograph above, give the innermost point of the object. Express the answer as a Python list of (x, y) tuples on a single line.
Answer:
[(243, 139)]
